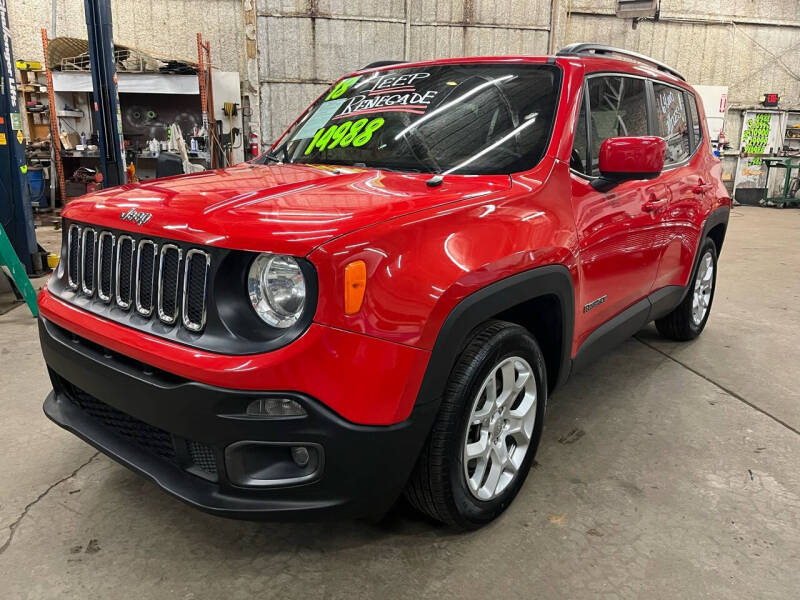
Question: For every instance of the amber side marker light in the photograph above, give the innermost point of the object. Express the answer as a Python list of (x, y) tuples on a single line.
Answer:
[(355, 284)]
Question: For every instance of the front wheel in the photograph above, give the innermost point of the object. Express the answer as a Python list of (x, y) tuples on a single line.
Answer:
[(488, 428), (687, 321)]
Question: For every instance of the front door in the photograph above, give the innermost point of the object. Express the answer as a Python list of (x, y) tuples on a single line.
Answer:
[(618, 229)]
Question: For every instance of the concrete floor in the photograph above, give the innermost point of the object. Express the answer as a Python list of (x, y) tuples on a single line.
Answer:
[(666, 470)]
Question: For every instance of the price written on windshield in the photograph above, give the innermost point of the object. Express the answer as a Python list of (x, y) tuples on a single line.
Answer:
[(355, 133)]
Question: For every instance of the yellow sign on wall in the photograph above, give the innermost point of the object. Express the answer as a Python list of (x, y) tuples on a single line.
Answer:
[(19, 136), (2, 139)]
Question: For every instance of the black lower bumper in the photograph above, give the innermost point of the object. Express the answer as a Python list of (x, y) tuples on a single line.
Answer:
[(183, 435)]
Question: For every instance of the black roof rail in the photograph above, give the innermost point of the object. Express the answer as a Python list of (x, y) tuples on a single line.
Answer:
[(381, 63), (597, 49)]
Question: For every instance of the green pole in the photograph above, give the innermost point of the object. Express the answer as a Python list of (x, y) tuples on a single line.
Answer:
[(9, 258)]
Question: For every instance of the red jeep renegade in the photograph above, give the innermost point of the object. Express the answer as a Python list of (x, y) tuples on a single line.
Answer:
[(384, 301)]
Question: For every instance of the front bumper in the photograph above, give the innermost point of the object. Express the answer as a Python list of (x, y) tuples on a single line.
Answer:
[(178, 433), (363, 379)]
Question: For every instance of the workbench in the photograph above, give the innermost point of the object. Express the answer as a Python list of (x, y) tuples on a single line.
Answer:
[(786, 198)]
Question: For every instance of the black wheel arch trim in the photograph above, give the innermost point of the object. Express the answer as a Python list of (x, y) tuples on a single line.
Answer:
[(719, 216), (488, 302)]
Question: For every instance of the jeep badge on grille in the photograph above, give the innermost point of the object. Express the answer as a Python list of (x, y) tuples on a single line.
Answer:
[(133, 215)]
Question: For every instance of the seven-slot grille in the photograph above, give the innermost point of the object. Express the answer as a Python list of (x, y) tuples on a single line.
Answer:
[(141, 275)]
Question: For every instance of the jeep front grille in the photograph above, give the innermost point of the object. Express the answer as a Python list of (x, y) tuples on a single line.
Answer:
[(105, 263), (73, 256), (126, 252), (156, 281), (195, 281), (145, 276)]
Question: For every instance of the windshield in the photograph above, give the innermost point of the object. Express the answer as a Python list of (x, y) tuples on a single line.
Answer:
[(462, 118)]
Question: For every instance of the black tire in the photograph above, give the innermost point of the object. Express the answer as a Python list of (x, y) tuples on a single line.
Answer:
[(679, 324), (438, 486)]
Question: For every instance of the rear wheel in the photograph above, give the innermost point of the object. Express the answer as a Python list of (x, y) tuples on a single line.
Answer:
[(687, 321), (486, 434)]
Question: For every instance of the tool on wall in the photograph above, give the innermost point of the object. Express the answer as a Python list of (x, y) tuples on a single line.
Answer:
[(229, 140)]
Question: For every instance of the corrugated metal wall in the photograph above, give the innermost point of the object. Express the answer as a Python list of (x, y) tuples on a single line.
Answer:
[(305, 44), (290, 49), (752, 46), (731, 43), (166, 27)]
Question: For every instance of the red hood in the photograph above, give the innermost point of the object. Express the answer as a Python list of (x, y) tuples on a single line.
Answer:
[(288, 209)]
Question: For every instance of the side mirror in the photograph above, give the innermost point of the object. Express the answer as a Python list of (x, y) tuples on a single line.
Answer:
[(626, 158)]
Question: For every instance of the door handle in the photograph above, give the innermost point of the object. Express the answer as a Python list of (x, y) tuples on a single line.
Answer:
[(652, 205), (702, 188)]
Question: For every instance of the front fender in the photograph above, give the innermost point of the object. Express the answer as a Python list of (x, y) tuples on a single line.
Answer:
[(420, 266)]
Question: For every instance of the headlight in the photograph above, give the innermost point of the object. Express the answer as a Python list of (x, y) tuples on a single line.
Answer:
[(277, 289)]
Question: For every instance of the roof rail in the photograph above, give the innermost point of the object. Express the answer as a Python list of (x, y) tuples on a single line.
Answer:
[(597, 49), (381, 63)]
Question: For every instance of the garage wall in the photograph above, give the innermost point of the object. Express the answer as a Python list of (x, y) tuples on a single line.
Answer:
[(305, 44), (752, 46), (340, 36), (731, 42), (287, 51), (167, 27)]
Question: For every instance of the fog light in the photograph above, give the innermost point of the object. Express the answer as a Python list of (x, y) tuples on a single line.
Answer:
[(275, 407), (300, 456)]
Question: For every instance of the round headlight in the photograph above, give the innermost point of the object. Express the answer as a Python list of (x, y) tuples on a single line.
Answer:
[(277, 289)]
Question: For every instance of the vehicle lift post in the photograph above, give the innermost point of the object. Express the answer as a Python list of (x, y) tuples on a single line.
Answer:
[(18, 248), (106, 97)]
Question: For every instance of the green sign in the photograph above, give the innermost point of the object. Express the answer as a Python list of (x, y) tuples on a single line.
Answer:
[(756, 136), (344, 134)]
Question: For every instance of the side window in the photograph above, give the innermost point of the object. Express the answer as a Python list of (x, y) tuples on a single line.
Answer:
[(697, 128), (617, 108), (580, 144), (672, 123)]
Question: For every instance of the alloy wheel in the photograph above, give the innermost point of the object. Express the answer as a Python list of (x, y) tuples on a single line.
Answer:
[(703, 288), (500, 428)]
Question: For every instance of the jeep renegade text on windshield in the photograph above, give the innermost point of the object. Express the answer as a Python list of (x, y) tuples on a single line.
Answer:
[(383, 302)]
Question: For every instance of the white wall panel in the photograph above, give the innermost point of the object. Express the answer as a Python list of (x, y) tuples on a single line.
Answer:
[(282, 103), (279, 39), (343, 46)]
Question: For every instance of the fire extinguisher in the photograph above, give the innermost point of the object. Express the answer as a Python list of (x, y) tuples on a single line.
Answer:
[(721, 140), (254, 149)]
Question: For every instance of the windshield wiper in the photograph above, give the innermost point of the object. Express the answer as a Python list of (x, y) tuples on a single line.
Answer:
[(269, 155)]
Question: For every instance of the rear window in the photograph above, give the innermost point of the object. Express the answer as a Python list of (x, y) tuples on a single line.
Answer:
[(471, 119), (697, 129), (672, 123)]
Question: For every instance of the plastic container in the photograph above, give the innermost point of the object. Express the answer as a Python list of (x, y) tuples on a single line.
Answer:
[(36, 187)]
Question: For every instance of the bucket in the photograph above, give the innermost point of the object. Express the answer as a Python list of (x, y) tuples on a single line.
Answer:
[(36, 187)]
